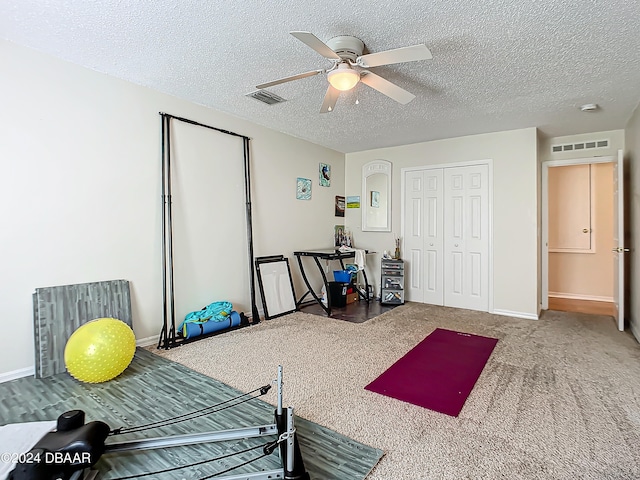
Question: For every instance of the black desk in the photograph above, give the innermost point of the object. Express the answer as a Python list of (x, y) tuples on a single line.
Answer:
[(328, 254)]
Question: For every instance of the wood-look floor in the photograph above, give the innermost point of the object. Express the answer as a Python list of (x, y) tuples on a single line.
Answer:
[(359, 312), (581, 306), (356, 312)]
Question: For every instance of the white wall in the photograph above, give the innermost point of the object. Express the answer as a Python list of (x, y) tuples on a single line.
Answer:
[(80, 191), (632, 157), (515, 206)]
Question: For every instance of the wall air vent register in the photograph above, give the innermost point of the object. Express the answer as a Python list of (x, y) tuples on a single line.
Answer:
[(589, 145)]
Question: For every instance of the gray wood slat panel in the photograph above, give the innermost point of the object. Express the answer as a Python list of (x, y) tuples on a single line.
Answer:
[(153, 388), (60, 310)]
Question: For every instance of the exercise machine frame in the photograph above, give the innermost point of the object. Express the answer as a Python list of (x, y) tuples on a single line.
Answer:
[(292, 468), (89, 443)]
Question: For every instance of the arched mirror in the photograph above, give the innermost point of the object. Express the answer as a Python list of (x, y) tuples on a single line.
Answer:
[(376, 196)]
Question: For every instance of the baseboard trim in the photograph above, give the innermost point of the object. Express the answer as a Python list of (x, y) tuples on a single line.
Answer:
[(509, 313), (145, 342), (635, 330), (577, 296), (30, 371), (22, 372)]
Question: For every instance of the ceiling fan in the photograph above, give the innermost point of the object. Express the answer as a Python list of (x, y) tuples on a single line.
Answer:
[(350, 66)]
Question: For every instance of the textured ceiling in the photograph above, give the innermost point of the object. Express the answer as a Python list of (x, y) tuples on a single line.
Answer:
[(497, 64)]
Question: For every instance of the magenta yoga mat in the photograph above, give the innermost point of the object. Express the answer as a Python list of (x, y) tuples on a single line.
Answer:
[(438, 373)]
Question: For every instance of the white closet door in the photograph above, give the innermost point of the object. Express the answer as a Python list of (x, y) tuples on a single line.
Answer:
[(466, 230), (423, 236), (413, 241), (434, 237)]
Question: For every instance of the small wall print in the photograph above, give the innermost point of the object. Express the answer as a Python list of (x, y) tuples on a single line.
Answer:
[(339, 206), (325, 175), (303, 189), (375, 199), (353, 202), (338, 235)]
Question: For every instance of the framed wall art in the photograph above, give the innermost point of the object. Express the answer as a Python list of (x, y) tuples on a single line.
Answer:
[(325, 175), (339, 206), (353, 201), (303, 189)]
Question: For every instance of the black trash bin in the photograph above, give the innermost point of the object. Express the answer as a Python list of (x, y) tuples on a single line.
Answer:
[(338, 293)]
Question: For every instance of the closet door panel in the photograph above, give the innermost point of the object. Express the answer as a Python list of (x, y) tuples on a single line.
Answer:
[(434, 263), (414, 236), (423, 236), (466, 229)]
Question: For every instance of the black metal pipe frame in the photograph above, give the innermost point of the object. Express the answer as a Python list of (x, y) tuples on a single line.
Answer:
[(247, 193), (164, 238), (172, 310), (168, 334), (325, 281)]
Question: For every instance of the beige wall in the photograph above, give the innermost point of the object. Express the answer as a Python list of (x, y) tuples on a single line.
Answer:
[(80, 195), (588, 275), (632, 164), (515, 209)]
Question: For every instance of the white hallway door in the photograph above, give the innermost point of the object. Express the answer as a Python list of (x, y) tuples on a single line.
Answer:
[(446, 236), (618, 240)]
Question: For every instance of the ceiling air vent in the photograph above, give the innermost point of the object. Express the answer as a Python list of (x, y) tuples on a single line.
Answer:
[(568, 147), (266, 97)]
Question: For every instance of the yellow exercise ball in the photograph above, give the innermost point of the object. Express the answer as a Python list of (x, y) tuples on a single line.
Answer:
[(100, 350)]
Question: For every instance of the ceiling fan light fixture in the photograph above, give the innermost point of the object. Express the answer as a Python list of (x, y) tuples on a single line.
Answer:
[(343, 78), (346, 52)]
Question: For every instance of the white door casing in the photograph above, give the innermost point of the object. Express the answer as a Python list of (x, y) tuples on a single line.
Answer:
[(618, 240), (466, 237)]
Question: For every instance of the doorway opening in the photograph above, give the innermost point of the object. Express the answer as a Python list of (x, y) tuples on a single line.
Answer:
[(580, 222)]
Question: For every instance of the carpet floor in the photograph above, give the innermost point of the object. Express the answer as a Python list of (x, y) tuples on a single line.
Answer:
[(558, 399)]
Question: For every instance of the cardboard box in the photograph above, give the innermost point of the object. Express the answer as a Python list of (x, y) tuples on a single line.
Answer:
[(352, 297)]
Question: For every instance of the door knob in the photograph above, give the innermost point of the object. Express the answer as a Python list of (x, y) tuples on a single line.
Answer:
[(585, 230), (619, 249)]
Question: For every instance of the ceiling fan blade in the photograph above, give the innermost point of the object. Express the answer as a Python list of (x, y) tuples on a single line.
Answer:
[(289, 79), (398, 55), (318, 45), (330, 99), (387, 88)]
